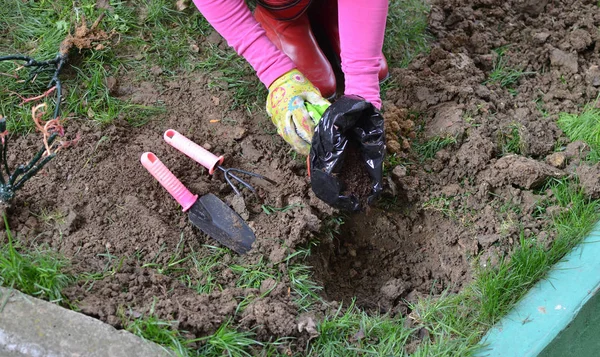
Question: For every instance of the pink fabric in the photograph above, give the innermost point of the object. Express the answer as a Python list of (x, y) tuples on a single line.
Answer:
[(234, 21), (362, 28)]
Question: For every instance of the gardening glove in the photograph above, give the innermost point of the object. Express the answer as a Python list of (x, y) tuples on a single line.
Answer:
[(295, 106)]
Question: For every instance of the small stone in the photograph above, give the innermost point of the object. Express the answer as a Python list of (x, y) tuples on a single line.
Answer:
[(394, 147), (214, 38), (592, 76), (557, 159), (540, 37), (239, 205), (394, 288), (580, 39), (589, 178), (156, 70), (352, 253), (399, 172), (487, 240), (576, 149), (239, 133)]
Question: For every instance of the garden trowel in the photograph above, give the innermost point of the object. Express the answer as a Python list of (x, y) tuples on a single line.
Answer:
[(208, 212)]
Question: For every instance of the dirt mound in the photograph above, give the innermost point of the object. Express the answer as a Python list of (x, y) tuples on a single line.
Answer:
[(96, 204)]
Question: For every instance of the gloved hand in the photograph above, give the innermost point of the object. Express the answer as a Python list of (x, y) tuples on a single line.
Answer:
[(295, 106)]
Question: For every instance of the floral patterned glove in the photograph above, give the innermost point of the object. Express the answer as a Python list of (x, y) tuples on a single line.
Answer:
[(295, 106)]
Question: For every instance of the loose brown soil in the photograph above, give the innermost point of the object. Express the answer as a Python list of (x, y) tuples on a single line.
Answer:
[(354, 176), (434, 218)]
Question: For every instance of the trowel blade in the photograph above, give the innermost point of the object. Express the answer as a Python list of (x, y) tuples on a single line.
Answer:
[(221, 223)]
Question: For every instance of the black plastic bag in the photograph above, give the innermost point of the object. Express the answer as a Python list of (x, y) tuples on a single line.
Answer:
[(348, 121)]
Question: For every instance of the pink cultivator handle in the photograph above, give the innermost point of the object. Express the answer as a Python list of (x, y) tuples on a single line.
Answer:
[(193, 150), (166, 178)]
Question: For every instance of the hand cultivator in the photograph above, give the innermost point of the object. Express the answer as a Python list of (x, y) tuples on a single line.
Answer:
[(208, 212), (210, 161)]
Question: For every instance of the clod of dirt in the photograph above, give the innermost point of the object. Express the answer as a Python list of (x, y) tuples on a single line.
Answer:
[(589, 177), (354, 177), (399, 129), (272, 317), (579, 39), (592, 76), (531, 7), (86, 38), (520, 171), (567, 61), (557, 159), (576, 149), (448, 121)]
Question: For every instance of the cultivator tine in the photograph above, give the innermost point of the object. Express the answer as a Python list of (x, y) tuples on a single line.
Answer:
[(228, 173), (248, 186)]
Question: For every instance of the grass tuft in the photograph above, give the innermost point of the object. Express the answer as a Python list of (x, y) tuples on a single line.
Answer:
[(406, 33), (511, 141), (224, 342), (38, 273), (161, 332), (355, 333), (504, 75), (228, 342), (428, 149), (585, 127)]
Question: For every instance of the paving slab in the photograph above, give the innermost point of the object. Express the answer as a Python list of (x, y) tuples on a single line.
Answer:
[(32, 327)]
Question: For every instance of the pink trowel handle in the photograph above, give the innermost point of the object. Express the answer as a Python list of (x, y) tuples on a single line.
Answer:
[(166, 178), (193, 150)]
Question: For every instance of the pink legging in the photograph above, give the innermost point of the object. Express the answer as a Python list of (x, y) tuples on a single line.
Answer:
[(362, 27)]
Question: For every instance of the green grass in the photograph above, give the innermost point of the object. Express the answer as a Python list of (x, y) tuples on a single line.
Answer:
[(510, 141), (504, 75), (267, 209), (224, 342), (38, 273), (202, 276), (161, 332), (355, 333), (252, 275), (406, 33), (584, 126), (428, 149)]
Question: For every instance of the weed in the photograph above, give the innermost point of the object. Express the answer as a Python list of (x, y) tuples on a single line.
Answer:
[(331, 227), (503, 75), (51, 218), (201, 277), (228, 342), (428, 149), (161, 332), (252, 276), (173, 264), (355, 333), (391, 161), (270, 209), (510, 140), (442, 204), (584, 126), (38, 273), (305, 290)]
